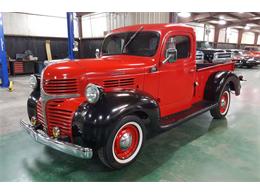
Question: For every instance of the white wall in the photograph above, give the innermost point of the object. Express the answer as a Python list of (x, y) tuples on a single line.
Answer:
[(36, 25), (94, 25), (222, 35), (98, 24), (199, 29), (248, 38), (212, 33), (228, 35), (258, 41), (232, 35), (130, 18)]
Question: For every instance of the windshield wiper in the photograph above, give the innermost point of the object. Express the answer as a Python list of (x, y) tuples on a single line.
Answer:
[(132, 38)]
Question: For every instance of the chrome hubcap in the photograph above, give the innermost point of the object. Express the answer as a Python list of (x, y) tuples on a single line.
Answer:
[(125, 141), (223, 103)]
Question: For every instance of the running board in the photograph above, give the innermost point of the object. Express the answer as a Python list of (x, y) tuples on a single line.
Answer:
[(180, 117)]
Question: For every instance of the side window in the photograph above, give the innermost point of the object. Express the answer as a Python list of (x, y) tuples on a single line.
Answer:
[(181, 43)]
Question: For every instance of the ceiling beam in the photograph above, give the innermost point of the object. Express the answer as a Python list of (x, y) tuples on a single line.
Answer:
[(216, 36), (198, 17), (80, 14), (242, 22), (255, 13)]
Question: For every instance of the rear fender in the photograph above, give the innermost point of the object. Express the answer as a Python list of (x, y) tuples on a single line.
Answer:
[(217, 83)]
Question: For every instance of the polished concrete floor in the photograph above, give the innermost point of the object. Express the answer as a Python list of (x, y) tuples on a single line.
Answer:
[(202, 149)]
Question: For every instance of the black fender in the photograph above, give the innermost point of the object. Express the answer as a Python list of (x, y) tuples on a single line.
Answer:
[(94, 122), (32, 103), (218, 81), (33, 98)]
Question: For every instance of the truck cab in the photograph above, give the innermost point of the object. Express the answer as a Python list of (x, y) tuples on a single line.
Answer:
[(145, 79)]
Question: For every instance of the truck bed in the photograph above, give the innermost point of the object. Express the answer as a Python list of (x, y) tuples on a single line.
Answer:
[(204, 71), (206, 65)]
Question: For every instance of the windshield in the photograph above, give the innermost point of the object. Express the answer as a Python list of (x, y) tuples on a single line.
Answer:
[(144, 44)]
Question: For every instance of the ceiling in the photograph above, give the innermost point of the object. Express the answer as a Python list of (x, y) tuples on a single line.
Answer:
[(237, 20)]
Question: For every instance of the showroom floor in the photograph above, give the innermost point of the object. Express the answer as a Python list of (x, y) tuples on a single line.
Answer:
[(199, 150)]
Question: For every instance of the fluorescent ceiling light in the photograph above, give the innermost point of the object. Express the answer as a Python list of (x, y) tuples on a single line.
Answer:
[(251, 25), (222, 22), (247, 27), (184, 14)]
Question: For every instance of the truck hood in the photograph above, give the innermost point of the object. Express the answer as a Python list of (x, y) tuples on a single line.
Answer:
[(104, 66)]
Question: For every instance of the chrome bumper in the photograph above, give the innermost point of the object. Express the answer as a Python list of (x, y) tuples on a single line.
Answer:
[(68, 148)]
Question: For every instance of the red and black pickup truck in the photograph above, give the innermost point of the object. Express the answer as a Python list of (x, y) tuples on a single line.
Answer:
[(145, 79)]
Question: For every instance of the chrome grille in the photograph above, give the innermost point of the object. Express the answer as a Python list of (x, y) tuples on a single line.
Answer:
[(61, 86), (57, 117)]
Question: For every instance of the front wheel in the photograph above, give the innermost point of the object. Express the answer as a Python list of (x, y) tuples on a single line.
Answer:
[(221, 110), (124, 143)]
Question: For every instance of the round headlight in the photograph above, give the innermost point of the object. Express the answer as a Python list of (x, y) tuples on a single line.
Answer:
[(33, 81), (92, 93)]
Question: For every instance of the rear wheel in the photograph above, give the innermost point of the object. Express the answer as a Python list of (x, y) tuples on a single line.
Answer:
[(124, 143), (221, 110)]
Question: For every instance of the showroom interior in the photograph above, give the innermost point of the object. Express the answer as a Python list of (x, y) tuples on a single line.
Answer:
[(201, 149)]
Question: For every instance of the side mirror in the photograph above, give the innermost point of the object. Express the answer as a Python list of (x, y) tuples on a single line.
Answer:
[(171, 55), (97, 53)]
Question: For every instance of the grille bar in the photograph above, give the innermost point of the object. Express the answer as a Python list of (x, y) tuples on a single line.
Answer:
[(58, 86), (59, 118), (39, 113), (55, 117)]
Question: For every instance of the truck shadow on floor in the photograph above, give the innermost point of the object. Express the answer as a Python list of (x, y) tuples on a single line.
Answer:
[(157, 151)]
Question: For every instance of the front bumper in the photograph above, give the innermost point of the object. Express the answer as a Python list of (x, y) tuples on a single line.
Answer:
[(68, 148)]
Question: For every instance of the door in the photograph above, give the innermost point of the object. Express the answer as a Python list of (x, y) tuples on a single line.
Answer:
[(176, 87)]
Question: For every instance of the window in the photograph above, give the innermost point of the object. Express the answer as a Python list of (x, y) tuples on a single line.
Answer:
[(232, 35), (144, 44), (248, 38), (182, 44)]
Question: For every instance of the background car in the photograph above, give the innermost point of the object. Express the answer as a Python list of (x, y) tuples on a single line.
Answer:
[(243, 58)]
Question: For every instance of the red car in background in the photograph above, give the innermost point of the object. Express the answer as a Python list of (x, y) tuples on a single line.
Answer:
[(254, 52), (244, 58)]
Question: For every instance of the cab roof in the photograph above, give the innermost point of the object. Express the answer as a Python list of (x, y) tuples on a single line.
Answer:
[(155, 27)]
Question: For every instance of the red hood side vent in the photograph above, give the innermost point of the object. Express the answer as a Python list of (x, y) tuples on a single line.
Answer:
[(127, 82), (60, 86)]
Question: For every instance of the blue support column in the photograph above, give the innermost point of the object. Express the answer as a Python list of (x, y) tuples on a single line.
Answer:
[(3, 62), (70, 26)]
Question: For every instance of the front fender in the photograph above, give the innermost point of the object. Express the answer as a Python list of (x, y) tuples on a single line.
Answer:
[(33, 98), (94, 122), (32, 103), (218, 81)]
